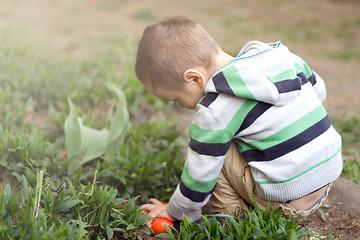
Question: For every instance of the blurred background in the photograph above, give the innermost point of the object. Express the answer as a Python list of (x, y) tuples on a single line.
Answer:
[(325, 33)]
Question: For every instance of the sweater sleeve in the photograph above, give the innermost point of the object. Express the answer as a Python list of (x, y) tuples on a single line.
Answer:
[(319, 87), (206, 153), (303, 70)]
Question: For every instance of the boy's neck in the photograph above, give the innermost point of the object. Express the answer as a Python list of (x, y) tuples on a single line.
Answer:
[(221, 59)]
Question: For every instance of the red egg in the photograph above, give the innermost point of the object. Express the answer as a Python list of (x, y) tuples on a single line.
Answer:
[(158, 225)]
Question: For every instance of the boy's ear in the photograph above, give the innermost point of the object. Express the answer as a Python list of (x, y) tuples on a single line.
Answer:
[(194, 76)]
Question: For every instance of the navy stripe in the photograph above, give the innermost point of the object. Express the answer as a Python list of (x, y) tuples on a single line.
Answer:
[(209, 149), (254, 114), (312, 79), (305, 80), (288, 85), (290, 145), (208, 99), (221, 85), (194, 195)]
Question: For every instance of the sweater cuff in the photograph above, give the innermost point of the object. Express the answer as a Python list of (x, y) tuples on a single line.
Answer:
[(177, 212)]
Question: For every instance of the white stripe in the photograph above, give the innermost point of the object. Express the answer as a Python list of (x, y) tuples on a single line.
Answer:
[(304, 184), (319, 87), (209, 166), (257, 83), (284, 62), (225, 109), (210, 87), (179, 204)]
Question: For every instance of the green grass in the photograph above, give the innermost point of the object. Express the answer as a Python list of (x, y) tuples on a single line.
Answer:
[(46, 195), (349, 128), (347, 32), (251, 224), (76, 211)]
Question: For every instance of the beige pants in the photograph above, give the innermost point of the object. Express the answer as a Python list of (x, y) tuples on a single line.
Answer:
[(236, 188)]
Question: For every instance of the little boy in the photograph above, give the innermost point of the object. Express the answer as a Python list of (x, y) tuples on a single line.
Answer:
[(260, 131)]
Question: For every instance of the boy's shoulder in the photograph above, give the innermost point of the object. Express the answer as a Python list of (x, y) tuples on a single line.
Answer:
[(214, 109)]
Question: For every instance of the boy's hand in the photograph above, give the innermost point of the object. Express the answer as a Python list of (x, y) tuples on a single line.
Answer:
[(157, 209)]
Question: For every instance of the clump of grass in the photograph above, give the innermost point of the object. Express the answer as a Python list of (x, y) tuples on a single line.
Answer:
[(75, 211), (351, 169), (347, 32), (148, 163), (348, 53), (251, 224), (349, 129)]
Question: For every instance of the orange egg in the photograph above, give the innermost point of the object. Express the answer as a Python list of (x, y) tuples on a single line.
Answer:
[(63, 154), (158, 225)]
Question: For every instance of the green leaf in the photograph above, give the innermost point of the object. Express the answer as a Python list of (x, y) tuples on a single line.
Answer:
[(142, 220), (322, 214), (7, 192), (69, 203), (293, 235), (72, 133), (109, 232), (130, 227), (39, 184), (93, 142), (119, 124), (1, 133)]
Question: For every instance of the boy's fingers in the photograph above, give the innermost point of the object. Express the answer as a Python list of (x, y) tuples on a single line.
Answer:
[(147, 208), (157, 209), (155, 201)]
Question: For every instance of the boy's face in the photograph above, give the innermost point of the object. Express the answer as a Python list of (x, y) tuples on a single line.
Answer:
[(187, 97)]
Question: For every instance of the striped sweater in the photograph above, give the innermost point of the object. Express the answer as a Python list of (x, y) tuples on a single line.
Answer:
[(269, 102)]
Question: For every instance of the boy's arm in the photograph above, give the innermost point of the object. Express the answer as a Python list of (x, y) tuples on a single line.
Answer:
[(314, 78), (209, 143)]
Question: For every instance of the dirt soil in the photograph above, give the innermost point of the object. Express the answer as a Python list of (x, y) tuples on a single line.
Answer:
[(318, 31)]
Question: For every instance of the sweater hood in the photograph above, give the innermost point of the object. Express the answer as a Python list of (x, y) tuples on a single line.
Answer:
[(263, 72)]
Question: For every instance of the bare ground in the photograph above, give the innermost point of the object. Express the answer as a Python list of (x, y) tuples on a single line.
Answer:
[(315, 30)]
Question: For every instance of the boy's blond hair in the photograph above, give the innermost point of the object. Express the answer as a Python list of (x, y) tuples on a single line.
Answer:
[(170, 46)]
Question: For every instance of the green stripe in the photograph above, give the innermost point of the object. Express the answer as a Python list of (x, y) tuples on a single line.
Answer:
[(209, 136), (236, 83), (304, 172), (307, 71), (291, 73), (222, 135), (240, 115), (288, 132), (288, 74), (196, 185)]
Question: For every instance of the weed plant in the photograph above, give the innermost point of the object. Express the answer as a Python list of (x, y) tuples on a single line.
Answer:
[(148, 163)]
